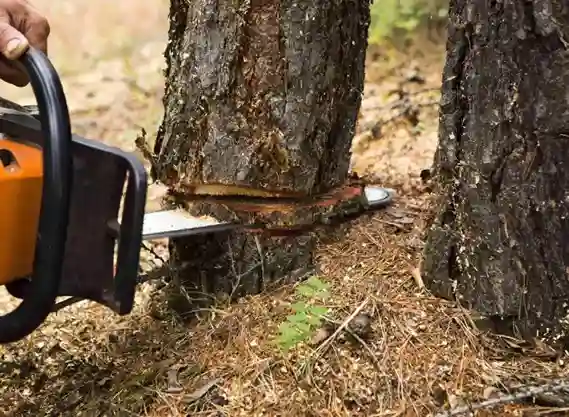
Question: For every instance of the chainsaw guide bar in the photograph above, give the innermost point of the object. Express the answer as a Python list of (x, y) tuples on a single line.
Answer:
[(179, 223)]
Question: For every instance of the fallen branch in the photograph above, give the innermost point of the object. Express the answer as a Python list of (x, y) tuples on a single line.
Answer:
[(527, 392)]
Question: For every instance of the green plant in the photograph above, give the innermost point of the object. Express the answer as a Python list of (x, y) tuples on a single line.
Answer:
[(308, 313), (399, 17)]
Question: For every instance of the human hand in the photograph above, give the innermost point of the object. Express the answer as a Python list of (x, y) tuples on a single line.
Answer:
[(21, 26)]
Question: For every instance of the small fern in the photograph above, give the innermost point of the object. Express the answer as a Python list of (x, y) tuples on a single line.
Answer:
[(308, 314)]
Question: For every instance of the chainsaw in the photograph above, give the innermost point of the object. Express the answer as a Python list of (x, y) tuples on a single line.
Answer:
[(73, 215)]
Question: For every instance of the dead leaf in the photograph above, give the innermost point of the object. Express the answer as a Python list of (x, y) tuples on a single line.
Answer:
[(201, 391), (489, 392), (416, 274)]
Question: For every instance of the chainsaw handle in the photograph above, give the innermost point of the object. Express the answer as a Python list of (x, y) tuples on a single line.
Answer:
[(43, 288)]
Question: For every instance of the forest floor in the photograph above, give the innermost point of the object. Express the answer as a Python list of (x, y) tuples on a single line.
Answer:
[(423, 354)]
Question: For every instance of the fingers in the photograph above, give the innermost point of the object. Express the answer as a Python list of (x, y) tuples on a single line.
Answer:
[(13, 43), (12, 73), (36, 29), (21, 26)]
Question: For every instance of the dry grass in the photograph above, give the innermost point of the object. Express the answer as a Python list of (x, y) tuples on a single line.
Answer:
[(423, 353)]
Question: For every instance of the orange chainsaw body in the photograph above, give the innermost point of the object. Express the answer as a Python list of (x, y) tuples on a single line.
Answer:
[(21, 177), (63, 232)]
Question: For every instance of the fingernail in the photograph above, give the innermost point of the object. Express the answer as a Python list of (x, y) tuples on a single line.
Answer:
[(15, 48)]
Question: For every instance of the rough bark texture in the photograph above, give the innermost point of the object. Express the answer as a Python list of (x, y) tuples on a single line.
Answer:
[(499, 242), (263, 95)]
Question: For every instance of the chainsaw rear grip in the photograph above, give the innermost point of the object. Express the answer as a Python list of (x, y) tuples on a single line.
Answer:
[(42, 292)]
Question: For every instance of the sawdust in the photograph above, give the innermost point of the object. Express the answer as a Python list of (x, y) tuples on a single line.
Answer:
[(421, 355)]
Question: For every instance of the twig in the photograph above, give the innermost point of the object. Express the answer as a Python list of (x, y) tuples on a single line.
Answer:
[(153, 252), (143, 147), (160, 272), (319, 351), (322, 348), (544, 412), (366, 347), (416, 274), (529, 391)]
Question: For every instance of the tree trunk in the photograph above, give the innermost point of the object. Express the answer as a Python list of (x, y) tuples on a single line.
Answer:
[(499, 241), (262, 98)]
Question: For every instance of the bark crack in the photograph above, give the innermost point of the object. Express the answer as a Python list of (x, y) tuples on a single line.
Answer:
[(461, 114), (178, 16)]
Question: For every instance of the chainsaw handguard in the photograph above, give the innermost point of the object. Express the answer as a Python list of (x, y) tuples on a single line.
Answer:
[(43, 289)]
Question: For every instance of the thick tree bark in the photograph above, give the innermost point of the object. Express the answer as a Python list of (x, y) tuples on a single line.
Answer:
[(261, 99), (499, 242)]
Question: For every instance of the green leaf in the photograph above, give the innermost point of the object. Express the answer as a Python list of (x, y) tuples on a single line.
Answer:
[(299, 307), (305, 291), (286, 328), (313, 287), (288, 334), (299, 326), (314, 320), (317, 284), (298, 318), (303, 328), (318, 310), (285, 343)]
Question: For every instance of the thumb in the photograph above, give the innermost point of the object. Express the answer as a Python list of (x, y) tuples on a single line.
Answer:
[(13, 44)]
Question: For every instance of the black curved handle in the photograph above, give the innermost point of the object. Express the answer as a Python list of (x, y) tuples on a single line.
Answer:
[(52, 233)]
